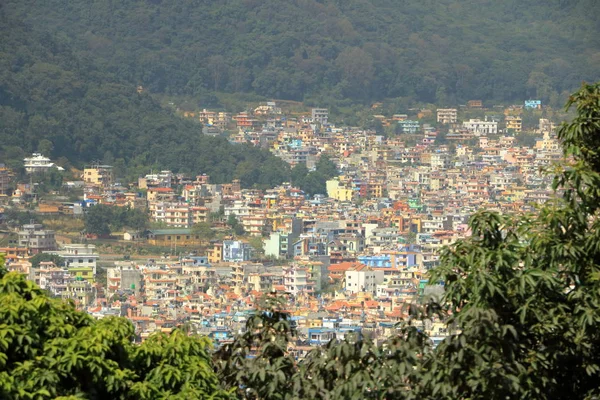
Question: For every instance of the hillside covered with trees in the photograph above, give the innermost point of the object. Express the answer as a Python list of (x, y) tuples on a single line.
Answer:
[(75, 111), (331, 51)]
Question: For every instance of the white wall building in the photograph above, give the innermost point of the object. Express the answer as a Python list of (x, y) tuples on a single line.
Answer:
[(38, 163), (362, 279), (79, 255), (479, 127)]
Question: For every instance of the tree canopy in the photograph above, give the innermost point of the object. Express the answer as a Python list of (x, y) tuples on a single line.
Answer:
[(331, 51), (48, 350), (71, 106)]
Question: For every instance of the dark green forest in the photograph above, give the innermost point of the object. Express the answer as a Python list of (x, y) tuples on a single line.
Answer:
[(75, 111), (330, 51)]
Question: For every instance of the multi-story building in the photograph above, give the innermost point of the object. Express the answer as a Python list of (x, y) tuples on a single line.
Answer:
[(5, 175), (514, 123), (320, 115), (98, 175), (236, 251), (479, 127), (362, 279), (123, 276), (79, 256), (297, 280), (447, 115), (37, 163), (36, 239), (409, 126)]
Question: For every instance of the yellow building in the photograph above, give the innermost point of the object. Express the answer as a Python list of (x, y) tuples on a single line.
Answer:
[(338, 192), (85, 273), (98, 175), (514, 122), (174, 237), (215, 254)]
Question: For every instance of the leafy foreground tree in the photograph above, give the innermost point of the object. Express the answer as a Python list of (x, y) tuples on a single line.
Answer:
[(523, 293), (50, 350)]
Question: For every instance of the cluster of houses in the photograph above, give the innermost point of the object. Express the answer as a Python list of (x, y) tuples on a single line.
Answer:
[(348, 260)]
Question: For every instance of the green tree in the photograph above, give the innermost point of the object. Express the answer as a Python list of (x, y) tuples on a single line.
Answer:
[(97, 219), (524, 290), (48, 349), (204, 230), (235, 225), (257, 364)]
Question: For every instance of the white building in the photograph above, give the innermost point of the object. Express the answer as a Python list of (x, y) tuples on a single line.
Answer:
[(79, 256), (479, 127), (38, 163), (297, 279), (362, 279), (123, 276)]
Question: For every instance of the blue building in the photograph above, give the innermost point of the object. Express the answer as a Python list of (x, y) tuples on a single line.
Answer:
[(533, 104), (320, 336), (235, 250)]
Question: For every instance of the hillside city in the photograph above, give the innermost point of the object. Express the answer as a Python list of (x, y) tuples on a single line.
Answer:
[(349, 260)]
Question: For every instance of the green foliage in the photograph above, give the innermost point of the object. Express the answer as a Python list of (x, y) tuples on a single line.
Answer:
[(102, 219), (73, 106), (15, 217), (525, 290), (257, 364), (204, 230), (442, 52), (235, 225), (48, 349), (43, 257), (314, 182)]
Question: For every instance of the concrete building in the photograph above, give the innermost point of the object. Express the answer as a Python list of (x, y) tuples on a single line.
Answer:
[(320, 115), (123, 276), (36, 239), (514, 123), (37, 163), (447, 115), (479, 127), (79, 256), (297, 280), (236, 250), (362, 279), (98, 175)]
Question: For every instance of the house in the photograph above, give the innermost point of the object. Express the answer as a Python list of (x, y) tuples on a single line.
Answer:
[(362, 279), (173, 237), (36, 239), (236, 250), (479, 127), (81, 258), (514, 123), (447, 115), (37, 163), (320, 115), (98, 175)]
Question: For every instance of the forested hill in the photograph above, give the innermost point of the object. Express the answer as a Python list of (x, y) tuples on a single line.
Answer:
[(322, 51), (62, 103)]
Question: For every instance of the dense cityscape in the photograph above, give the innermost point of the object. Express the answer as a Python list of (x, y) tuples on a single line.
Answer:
[(349, 259), (308, 199)]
